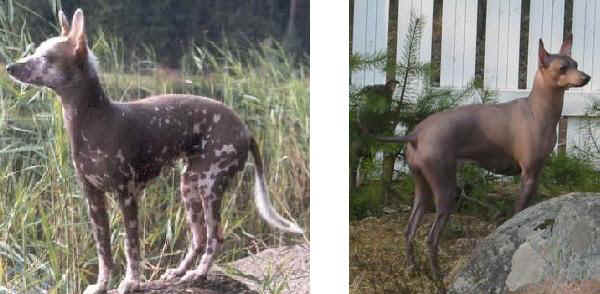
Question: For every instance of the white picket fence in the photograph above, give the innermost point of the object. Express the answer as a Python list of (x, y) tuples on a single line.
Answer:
[(501, 62)]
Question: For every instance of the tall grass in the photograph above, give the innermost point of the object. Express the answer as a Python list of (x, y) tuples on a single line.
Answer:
[(45, 239)]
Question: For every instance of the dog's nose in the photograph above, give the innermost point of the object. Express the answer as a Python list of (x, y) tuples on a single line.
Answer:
[(586, 78), (10, 68)]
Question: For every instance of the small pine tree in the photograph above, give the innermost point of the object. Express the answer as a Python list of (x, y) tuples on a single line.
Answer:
[(374, 110)]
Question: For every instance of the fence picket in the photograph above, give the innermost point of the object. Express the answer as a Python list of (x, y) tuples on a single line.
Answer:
[(426, 13), (424, 9), (358, 38), (490, 73), (418, 8), (369, 37), (458, 43), (448, 39), (590, 23), (558, 20), (503, 25), (546, 22), (595, 82), (502, 32), (578, 50), (514, 38), (470, 44), (381, 36), (458, 71)]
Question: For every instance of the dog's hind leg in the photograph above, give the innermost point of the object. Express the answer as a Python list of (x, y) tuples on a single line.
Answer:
[(422, 198), (128, 205), (433, 238), (100, 228), (192, 201), (441, 175), (211, 202), (213, 182)]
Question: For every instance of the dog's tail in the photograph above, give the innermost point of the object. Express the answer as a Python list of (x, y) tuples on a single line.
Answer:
[(412, 138), (261, 198)]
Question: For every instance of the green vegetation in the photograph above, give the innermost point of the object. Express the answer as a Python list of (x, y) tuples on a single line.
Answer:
[(45, 239), (366, 201), (376, 110), (172, 26), (483, 194), (565, 173)]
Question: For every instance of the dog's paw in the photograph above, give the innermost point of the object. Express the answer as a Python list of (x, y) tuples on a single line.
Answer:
[(191, 276), (171, 274), (128, 286), (95, 289)]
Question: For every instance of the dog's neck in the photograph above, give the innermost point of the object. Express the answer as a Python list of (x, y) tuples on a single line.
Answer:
[(86, 95), (546, 102)]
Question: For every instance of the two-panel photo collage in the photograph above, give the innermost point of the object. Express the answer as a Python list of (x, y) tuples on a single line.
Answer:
[(449, 146)]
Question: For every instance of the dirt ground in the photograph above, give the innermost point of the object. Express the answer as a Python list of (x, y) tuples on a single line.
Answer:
[(377, 252)]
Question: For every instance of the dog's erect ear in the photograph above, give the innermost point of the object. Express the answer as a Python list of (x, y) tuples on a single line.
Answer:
[(64, 24), (77, 33), (542, 55), (565, 49)]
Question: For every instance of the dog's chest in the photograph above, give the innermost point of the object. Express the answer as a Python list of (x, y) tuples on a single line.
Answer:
[(110, 169)]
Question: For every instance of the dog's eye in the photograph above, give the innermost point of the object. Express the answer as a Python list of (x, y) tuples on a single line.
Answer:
[(563, 68), (49, 58)]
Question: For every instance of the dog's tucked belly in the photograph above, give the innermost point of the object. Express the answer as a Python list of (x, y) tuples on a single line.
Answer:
[(115, 172), (503, 165)]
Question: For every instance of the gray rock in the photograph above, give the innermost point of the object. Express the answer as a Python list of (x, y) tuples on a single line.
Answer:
[(527, 266), (558, 240)]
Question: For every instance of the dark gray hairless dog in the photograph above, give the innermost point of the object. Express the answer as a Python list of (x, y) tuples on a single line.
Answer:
[(120, 147), (508, 138)]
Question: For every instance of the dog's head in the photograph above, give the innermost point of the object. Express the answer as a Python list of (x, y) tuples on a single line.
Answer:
[(560, 70), (58, 62)]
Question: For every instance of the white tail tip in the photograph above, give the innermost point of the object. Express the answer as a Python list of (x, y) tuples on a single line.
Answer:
[(267, 211)]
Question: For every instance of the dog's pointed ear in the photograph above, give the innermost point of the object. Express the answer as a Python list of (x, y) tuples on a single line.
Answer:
[(542, 55), (77, 33), (565, 49), (64, 23)]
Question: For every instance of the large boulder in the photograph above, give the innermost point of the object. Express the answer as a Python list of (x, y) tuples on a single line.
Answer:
[(552, 244)]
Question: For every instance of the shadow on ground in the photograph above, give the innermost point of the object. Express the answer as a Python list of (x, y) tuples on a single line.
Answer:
[(214, 284)]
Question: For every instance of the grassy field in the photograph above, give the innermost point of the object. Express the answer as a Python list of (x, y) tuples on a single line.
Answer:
[(45, 239)]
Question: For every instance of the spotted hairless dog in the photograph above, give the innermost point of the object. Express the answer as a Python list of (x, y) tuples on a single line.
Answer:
[(508, 138), (119, 147)]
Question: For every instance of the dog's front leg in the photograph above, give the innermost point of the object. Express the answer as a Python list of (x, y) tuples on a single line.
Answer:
[(529, 183), (100, 229), (128, 205)]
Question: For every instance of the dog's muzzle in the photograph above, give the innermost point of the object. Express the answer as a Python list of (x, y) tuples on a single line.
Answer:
[(16, 70), (20, 71), (586, 78), (10, 69)]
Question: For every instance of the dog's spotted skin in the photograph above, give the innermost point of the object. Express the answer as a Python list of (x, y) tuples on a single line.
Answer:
[(114, 163), (119, 147)]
